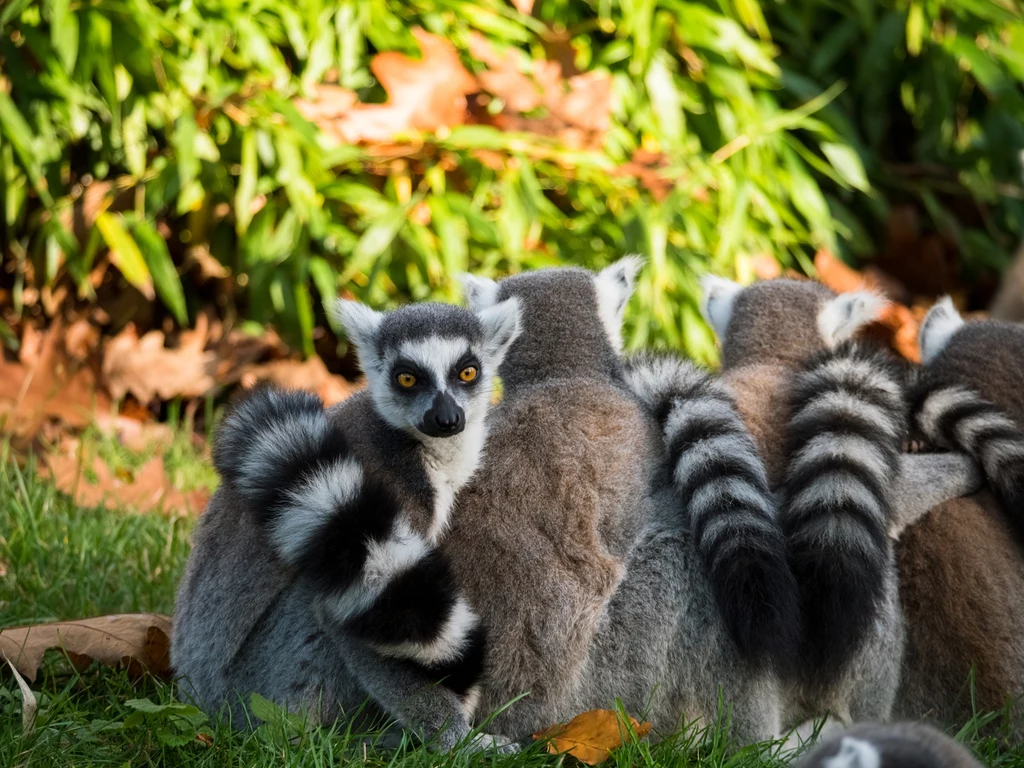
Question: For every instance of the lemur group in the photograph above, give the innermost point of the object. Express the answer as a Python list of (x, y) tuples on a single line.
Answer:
[(759, 545)]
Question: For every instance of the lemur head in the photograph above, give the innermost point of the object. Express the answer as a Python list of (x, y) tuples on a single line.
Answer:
[(782, 321), (572, 318), (430, 367)]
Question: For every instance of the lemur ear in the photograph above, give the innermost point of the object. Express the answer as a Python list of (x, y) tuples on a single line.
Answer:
[(480, 292), (717, 300), (501, 325), (359, 321), (939, 325), (846, 314), (614, 285)]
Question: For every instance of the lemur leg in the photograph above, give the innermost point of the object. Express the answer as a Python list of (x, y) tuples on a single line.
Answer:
[(419, 704), (926, 480)]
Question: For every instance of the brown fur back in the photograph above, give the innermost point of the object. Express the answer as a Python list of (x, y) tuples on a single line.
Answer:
[(540, 538), (762, 398), (962, 587), (961, 573)]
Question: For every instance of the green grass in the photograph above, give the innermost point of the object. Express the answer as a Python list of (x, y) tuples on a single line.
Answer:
[(64, 562)]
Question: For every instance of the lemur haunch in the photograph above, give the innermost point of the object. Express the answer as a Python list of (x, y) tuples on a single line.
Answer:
[(899, 745), (732, 516), (342, 591), (573, 541), (830, 416)]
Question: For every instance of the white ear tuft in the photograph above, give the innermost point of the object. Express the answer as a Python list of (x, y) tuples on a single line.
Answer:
[(938, 327), (359, 321), (846, 314), (480, 292), (501, 325), (614, 285), (716, 304)]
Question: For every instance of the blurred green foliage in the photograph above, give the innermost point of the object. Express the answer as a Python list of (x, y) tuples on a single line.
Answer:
[(781, 127)]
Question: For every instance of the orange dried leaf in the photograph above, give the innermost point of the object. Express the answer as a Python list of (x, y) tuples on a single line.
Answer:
[(423, 95), (147, 490), (311, 375), (590, 737), (836, 275), (142, 640), (147, 369)]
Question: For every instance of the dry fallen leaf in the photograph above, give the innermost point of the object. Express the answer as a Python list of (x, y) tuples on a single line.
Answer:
[(29, 702), (591, 736), (147, 490), (311, 375), (423, 95), (141, 640), (147, 369), (45, 384), (579, 108)]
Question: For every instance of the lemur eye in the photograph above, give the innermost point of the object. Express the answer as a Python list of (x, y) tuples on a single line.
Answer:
[(468, 373), (406, 380)]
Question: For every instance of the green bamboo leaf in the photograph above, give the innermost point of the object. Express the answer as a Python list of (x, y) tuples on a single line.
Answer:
[(304, 315), (847, 164), (16, 130), (915, 28), (325, 278), (64, 33), (161, 267), (246, 190), (375, 241), (125, 253)]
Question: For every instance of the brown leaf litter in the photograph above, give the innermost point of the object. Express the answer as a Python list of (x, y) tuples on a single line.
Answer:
[(592, 736), (141, 641)]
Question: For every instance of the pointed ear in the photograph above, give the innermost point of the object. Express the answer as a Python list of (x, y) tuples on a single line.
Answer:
[(717, 300), (614, 285), (480, 292), (359, 321), (846, 314), (938, 327), (501, 325)]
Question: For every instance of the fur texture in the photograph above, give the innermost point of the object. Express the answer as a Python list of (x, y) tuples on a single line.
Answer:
[(959, 567), (900, 745), (343, 593), (845, 431), (731, 514), (952, 409), (570, 541)]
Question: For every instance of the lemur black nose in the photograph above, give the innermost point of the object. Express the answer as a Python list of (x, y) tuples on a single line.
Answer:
[(445, 417), (448, 421)]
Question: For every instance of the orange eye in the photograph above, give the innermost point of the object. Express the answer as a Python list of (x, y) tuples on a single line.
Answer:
[(406, 380), (468, 373)]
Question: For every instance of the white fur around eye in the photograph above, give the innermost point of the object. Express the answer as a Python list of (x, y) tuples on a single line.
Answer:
[(716, 304), (846, 314), (941, 322), (614, 285)]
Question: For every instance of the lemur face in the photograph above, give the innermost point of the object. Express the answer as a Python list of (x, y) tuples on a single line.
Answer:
[(430, 367)]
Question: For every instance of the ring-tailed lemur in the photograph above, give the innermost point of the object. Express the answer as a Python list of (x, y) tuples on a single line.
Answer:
[(898, 745), (723, 486), (971, 396), (572, 542), (830, 418), (316, 578)]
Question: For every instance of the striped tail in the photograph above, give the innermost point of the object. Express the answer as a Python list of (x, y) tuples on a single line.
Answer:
[(722, 483), (845, 432), (960, 418), (344, 530)]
